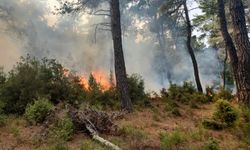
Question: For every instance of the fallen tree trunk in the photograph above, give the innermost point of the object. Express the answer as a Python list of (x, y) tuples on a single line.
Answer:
[(96, 137), (95, 122)]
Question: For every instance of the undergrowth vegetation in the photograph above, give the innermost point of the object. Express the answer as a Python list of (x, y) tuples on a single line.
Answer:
[(225, 115), (37, 112), (211, 144), (171, 140), (62, 129), (33, 88), (32, 78)]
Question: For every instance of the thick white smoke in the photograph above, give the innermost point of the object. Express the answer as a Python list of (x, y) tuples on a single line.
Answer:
[(28, 26)]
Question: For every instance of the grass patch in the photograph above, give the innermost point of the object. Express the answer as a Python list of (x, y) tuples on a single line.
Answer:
[(59, 146), (171, 140), (133, 132), (63, 129), (211, 144)]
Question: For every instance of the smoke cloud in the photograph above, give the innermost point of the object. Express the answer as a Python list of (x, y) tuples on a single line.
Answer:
[(28, 26)]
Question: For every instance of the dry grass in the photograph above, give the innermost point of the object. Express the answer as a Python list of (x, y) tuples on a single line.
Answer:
[(138, 130)]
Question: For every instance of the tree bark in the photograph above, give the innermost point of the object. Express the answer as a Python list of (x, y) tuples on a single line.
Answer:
[(240, 35), (190, 49), (120, 69), (224, 69), (230, 48)]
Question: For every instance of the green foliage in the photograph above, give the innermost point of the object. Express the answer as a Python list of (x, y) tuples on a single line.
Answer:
[(243, 130), (213, 124), (223, 94), (38, 111), (15, 131), (171, 140), (87, 145), (132, 132), (211, 144), (60, 146), (31, 78), (2, 77), (137, 89), (207, 22), (186, 94), (108, 99), (63, 129), (225, 113), (246, 113), (224, 116), (175, 111), (99, 98), (2, 120)]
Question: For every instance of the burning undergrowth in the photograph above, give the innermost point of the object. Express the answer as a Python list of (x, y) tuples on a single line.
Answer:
[(31, 78)]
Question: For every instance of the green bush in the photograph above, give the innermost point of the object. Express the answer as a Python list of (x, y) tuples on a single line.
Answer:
[(108, 99), (171, 140), (246, 113), (186, 94), (213, 124), (38, 111), (211, 144), (223, 94), (137, 89), (99, 98), (200, 98), (63, 129), (31, 78), (2, 120), (225, 113)]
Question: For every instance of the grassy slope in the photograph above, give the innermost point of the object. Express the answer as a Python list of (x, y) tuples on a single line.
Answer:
[(138, 130)]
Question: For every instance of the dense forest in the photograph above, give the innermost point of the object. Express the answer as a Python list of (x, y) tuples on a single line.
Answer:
[(125, 74)]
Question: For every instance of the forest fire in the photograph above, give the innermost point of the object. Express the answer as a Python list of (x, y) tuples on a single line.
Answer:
[(101, 78)]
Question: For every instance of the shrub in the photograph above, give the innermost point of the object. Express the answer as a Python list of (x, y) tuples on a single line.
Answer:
[(38, 111), (223, 94), (200, 98), (224, 116), (175, 111), (211, 144), (108, 99), (133, 132), (137, 89), (213, 124), (246, 113), (2, 120), (31, 78), (225, 113), (186, 94), (99, 98), (171, 141), (63, 129)]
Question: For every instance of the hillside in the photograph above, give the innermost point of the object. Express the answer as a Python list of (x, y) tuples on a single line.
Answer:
[(142, 129)]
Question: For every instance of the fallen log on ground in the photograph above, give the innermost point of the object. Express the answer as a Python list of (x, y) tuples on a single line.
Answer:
[(95, 122)]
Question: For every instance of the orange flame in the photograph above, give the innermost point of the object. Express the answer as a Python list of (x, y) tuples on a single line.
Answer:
[(101, 77)]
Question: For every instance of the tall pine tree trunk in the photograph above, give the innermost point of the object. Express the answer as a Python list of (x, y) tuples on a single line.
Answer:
[(120, 69), (190, 49), (242, 43), (230, 48)]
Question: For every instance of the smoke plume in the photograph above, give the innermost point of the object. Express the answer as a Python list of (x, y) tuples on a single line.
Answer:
[(28, 26)]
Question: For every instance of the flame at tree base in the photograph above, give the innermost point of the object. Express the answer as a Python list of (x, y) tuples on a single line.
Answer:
[(101, 78)]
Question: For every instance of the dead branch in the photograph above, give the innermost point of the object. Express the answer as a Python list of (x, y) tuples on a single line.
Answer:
[(95, 122)]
